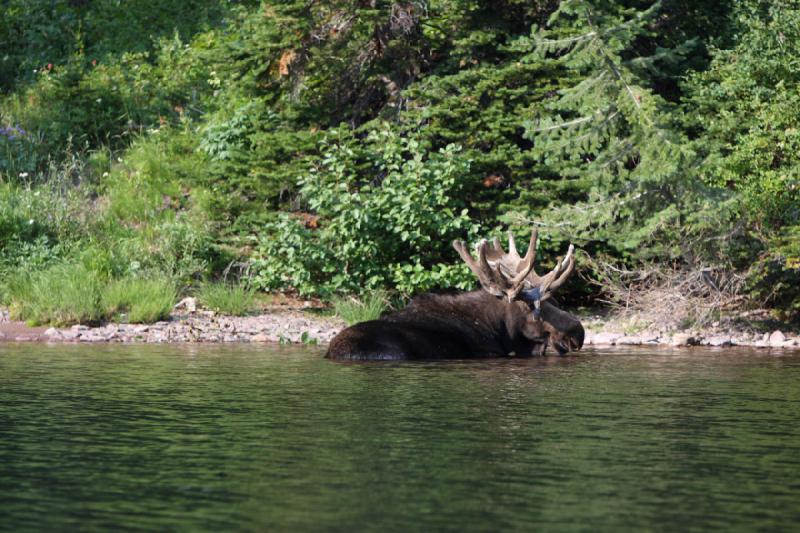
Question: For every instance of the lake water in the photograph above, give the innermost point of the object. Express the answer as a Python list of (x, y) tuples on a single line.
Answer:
[(231, 438)]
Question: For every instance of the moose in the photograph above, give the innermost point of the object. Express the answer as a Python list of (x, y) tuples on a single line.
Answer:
[(509, 316)]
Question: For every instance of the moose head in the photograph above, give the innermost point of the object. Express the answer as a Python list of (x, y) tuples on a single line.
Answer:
[(508, 276)]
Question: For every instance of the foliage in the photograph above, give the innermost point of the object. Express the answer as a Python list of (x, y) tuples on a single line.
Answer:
[(227, 299), (316, 141), (138, 300), (752, 139), (384, 217), (64, 294), (353, 310)]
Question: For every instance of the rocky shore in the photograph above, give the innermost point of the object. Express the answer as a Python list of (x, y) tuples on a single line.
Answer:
[(304, 322), (292, 323)]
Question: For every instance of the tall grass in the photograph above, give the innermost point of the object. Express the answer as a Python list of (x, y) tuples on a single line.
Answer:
[(139, 300), (227, 299), (60, 295), (368, 307), (70, 293)]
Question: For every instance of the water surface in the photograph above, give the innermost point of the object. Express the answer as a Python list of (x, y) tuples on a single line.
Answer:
[(212, 438)]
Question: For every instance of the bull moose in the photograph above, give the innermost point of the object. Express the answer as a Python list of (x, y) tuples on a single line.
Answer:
[(510, 315)]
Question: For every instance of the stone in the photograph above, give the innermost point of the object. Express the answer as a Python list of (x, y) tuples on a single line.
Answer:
[(777, 338), (70, 335), (629, 341), (263, 337), (761, 344), (683, 339), (188, 304), (2, 335), (92, 337), (719, 341), (606, 338), (53, 333), (79, 327), (789, 343)]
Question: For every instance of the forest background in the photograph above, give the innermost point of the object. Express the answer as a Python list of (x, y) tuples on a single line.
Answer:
[(150, 147)]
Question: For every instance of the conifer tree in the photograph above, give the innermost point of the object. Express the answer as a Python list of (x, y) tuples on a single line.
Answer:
[(612, 130)]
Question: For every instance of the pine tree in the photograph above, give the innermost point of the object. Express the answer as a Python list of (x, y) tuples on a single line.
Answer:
[(611, 129)]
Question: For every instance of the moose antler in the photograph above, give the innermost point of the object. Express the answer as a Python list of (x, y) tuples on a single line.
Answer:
[(507, 274)]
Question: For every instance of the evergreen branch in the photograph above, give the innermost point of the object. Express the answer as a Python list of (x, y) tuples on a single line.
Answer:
[(567, 41), (561, 125)]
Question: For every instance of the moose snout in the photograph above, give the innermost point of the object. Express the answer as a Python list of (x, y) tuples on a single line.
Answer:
[(570, 341)]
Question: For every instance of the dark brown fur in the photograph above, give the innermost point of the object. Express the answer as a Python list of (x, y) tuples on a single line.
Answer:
[(467, 325)]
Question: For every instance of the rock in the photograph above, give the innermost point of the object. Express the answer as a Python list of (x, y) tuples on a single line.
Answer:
[(650, 337), (188, 304), (683, 339), (761, 344), (2, 335), (719, 341), (789, 343), (92, 337), (53, 333), (263, 337), (70, 335), (141, 328), (777, 338), (79, 327), (24, 338), (629, 341), (606, 338)]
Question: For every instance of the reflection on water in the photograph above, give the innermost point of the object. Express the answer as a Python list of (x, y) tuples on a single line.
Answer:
[(265, 438)]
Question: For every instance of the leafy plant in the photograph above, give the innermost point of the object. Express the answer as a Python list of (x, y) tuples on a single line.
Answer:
[(383, 215)]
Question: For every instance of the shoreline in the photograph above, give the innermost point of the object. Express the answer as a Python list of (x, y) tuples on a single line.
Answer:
[(303, 323)]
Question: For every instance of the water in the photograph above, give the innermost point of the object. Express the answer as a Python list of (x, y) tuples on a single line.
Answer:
[(219, 438)]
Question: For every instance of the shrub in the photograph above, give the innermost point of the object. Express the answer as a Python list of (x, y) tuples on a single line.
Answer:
[(368, 307), (385, 217), (139, 300), (227, 299)]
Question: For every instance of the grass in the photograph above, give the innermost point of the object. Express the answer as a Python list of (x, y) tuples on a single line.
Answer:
[(70, 293), (226, 299), (61, 295), (139, 300), (369, 307)]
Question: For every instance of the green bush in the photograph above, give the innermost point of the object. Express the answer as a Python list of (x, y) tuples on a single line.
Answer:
[(386, 217), (234, 300), (368, 307), (139, 300)]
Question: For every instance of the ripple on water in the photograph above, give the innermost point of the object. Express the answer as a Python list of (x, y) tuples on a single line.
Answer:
[(236, 437)]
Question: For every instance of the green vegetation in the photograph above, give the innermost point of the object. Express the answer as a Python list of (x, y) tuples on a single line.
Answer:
[(71, 293), (60, 295), (337, 148), (368, 307), (227, 299), (138, 300)]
